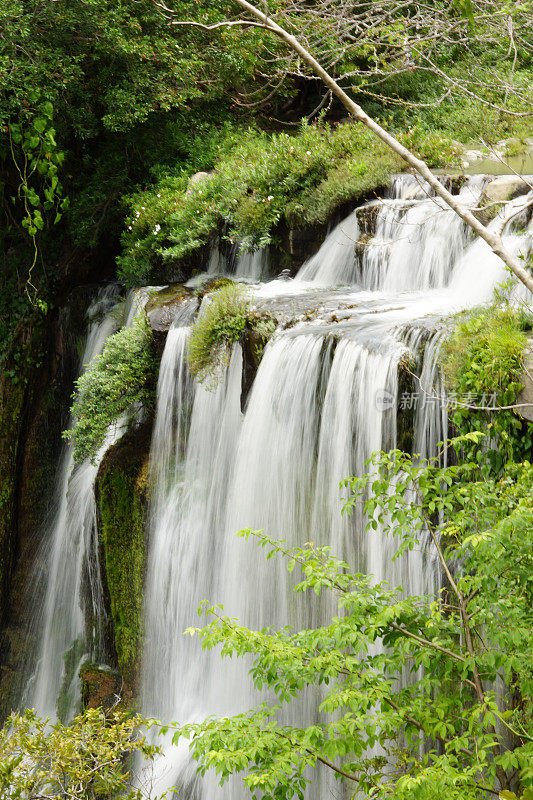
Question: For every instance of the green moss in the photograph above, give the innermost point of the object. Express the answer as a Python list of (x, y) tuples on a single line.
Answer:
[(121, 491), (220, 323)]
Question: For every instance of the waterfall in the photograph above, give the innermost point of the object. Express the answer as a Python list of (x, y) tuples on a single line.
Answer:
[(247, 266), (326, 395), (328, 392), (335, 261), (315, 414), (68, 631)]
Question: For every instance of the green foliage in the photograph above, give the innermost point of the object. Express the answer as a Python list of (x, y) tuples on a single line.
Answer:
[(94, 96), (116, 380), (482, 358), (220, 323), (458, 649), (264, 179), (122, 505), (81, 761)]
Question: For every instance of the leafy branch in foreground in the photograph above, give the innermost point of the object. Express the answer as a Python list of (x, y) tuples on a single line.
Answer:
[(460, 724), (81, 761)]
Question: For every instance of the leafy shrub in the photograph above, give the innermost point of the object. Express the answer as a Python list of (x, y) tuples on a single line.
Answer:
[(81, 761), (459, 649), (482, 360), (252, 188), (220, 323), (115, 380)]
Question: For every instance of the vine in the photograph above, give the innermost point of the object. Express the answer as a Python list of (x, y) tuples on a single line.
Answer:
[(37, 160)]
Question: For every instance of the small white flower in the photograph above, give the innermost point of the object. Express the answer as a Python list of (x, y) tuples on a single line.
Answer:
[(129, 227), (157, 228), (270, 197), (159, 195), (308, 152), (143, 208)]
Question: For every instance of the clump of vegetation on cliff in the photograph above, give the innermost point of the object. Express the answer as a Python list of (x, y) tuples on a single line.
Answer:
[(261, 181), (482, 363), (116, 381), (226, 315), (220, 323)]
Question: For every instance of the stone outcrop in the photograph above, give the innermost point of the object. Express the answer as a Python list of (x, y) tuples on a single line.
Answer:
[(505, 187), (121, 494)]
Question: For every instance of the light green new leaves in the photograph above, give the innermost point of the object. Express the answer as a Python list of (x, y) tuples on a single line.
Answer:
[(476, 735)]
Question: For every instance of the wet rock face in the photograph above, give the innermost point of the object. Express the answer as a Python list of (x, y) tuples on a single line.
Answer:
[(101, 687), (165, 305), (122, 498)]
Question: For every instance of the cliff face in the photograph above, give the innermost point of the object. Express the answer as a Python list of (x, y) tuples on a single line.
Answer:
[(121, 492), (35, 388)]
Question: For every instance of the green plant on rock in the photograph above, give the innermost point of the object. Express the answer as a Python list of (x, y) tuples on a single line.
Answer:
[(220, 323), (413, 699), (85, 760), (121, 377), (482, 364)]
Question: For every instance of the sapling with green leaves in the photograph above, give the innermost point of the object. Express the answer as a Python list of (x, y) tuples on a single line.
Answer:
[(462, 726)]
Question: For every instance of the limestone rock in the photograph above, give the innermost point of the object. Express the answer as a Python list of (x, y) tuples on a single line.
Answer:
[(101, 687), (194, 180), (504, 188), (163, 307)]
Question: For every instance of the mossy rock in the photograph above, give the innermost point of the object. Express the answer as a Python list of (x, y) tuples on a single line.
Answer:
[(212, 285), (121, 491), (170, 294), (101, 687), (162, 307)]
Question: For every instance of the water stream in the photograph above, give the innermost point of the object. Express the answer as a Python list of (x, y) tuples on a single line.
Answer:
[(69, 616)]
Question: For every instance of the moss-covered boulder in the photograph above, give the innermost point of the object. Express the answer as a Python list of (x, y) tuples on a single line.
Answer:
[(121, 491)]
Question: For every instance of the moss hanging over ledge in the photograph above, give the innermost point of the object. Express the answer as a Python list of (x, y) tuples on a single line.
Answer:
[(122, 502)]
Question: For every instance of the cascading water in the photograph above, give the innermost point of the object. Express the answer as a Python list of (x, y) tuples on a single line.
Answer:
[(68, 618), (324, 398), (246, 266)]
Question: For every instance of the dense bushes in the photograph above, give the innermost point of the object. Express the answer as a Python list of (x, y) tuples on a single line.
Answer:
[(262, 180), (85, 760)]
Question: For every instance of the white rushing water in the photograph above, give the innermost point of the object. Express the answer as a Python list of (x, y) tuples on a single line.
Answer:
[(324, 398), (326, 395), (68, 631)]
